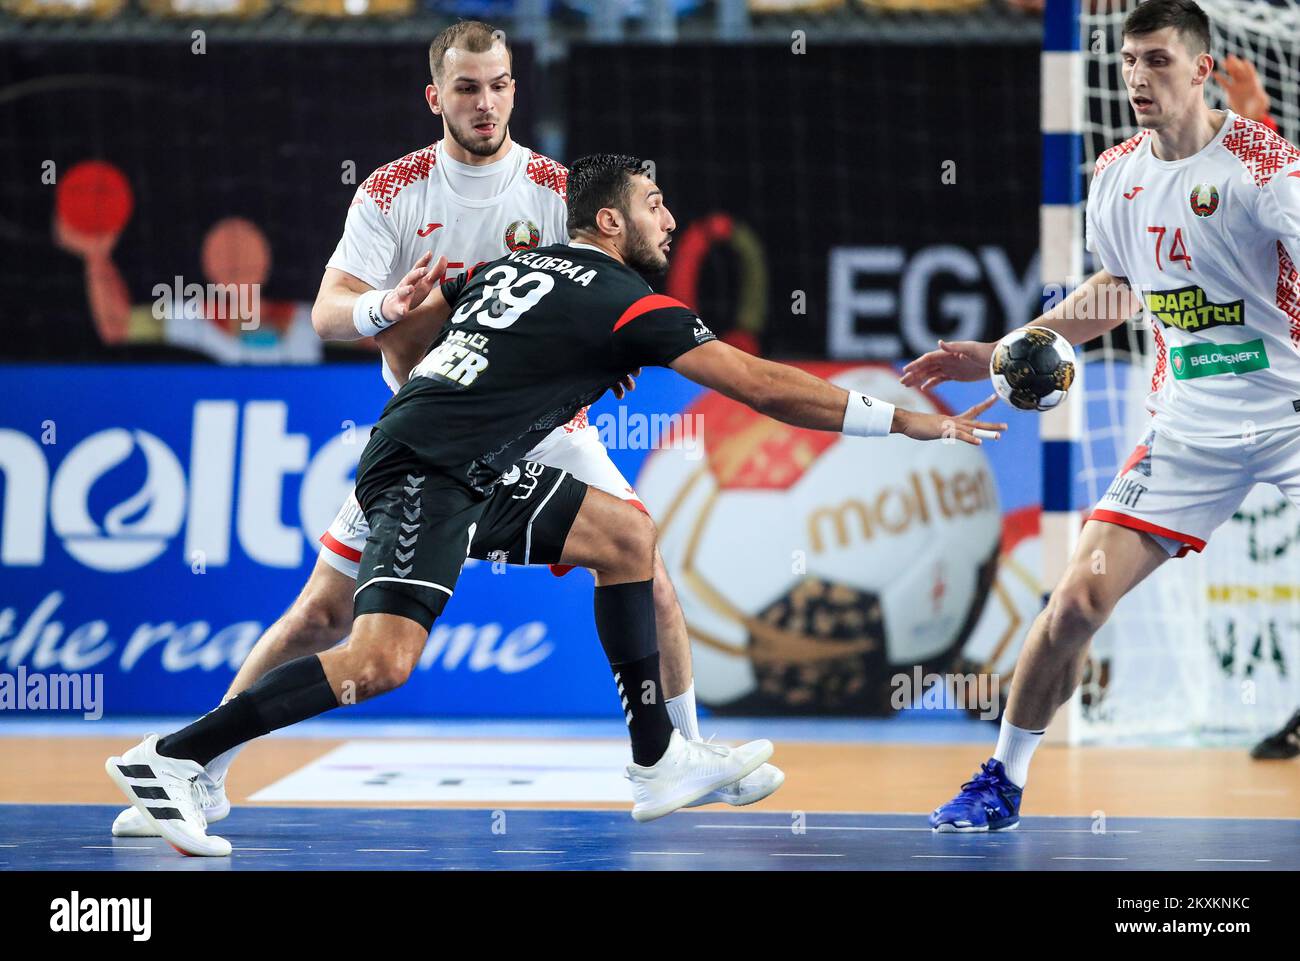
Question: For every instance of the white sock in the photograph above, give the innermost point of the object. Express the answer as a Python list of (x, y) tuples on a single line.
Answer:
[(681, 711), (1015, 748), (220, 764)]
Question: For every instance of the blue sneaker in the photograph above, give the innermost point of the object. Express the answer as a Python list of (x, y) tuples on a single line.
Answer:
[(987, 802)]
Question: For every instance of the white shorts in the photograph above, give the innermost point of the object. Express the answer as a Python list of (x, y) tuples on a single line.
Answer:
[(1179, 494), (578, 451)]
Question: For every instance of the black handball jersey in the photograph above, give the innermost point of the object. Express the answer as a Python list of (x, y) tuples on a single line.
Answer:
[(532, 338)]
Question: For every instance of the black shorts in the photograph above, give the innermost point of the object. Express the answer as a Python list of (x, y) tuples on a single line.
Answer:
[(424, 523)]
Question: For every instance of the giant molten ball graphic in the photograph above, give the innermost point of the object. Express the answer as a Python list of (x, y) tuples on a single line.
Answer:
[(811, 567)]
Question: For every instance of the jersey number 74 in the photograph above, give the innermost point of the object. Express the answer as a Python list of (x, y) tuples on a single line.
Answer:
[(1177, 248)]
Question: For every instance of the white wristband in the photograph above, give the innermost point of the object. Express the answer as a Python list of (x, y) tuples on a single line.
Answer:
[(867, 416), (367, 314)]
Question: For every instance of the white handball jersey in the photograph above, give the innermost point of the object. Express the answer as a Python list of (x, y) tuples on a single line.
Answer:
[(409, 207), (1211, 242)]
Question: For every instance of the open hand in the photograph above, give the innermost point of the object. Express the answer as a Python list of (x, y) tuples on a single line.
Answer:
[(958, 360), (413, 288), (949, 427)]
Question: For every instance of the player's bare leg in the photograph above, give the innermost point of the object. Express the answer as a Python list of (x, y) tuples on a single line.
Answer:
[(674, 641), (617, 542), (1109, 561), (322, 614), (378, 657), (319, 618), (611, 538), (316, 621)]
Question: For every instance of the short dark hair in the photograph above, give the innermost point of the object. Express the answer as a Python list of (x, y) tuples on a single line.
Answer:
[(472, 35), (1183, 15), (597, 181)]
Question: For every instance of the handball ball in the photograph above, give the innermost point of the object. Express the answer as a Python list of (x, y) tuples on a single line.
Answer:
[(1032, 368)]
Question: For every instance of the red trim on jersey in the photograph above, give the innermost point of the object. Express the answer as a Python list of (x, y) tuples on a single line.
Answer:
[(579, 421), (335, 546), (1288, 291), (639, 506), (1112, 154), (468, 275), (646, 304), (548, 173), (1162, 360), (385, 183), (1261, 150), (1264, 152), (1137, 524), (1139, 452)]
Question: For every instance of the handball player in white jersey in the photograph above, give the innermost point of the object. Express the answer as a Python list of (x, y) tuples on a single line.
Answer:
[(472, 197), (1196, 219)]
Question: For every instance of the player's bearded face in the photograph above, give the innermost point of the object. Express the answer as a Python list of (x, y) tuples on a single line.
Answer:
[(642, 251), (648, 231), (476, 97)]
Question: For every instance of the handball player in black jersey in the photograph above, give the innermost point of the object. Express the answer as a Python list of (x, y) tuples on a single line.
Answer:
[(525, 342)]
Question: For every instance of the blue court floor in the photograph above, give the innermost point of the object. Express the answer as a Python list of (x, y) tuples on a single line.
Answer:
[(76, 837), (907, 727)]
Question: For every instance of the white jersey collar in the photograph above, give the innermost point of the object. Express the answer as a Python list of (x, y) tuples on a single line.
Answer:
[(1228, 118), (447, 168)]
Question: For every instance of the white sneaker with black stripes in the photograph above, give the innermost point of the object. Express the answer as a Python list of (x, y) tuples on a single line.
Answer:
[(169, 794), (130, 823), (688, 771)]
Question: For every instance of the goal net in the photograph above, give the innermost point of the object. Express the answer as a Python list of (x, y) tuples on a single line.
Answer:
[(1208, 649)]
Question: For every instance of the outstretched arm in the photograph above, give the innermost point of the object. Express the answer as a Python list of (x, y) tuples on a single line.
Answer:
[(1100, 303), (796, 397)]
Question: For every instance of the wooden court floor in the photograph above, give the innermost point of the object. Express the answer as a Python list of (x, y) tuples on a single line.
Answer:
[(869, 778)]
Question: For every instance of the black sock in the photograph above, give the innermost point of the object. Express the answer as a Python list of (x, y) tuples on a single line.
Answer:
[(648, 723), (285, 695), (625, 621)]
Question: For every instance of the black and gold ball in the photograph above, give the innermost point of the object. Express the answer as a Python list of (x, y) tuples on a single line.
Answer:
[(1032, 368)]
